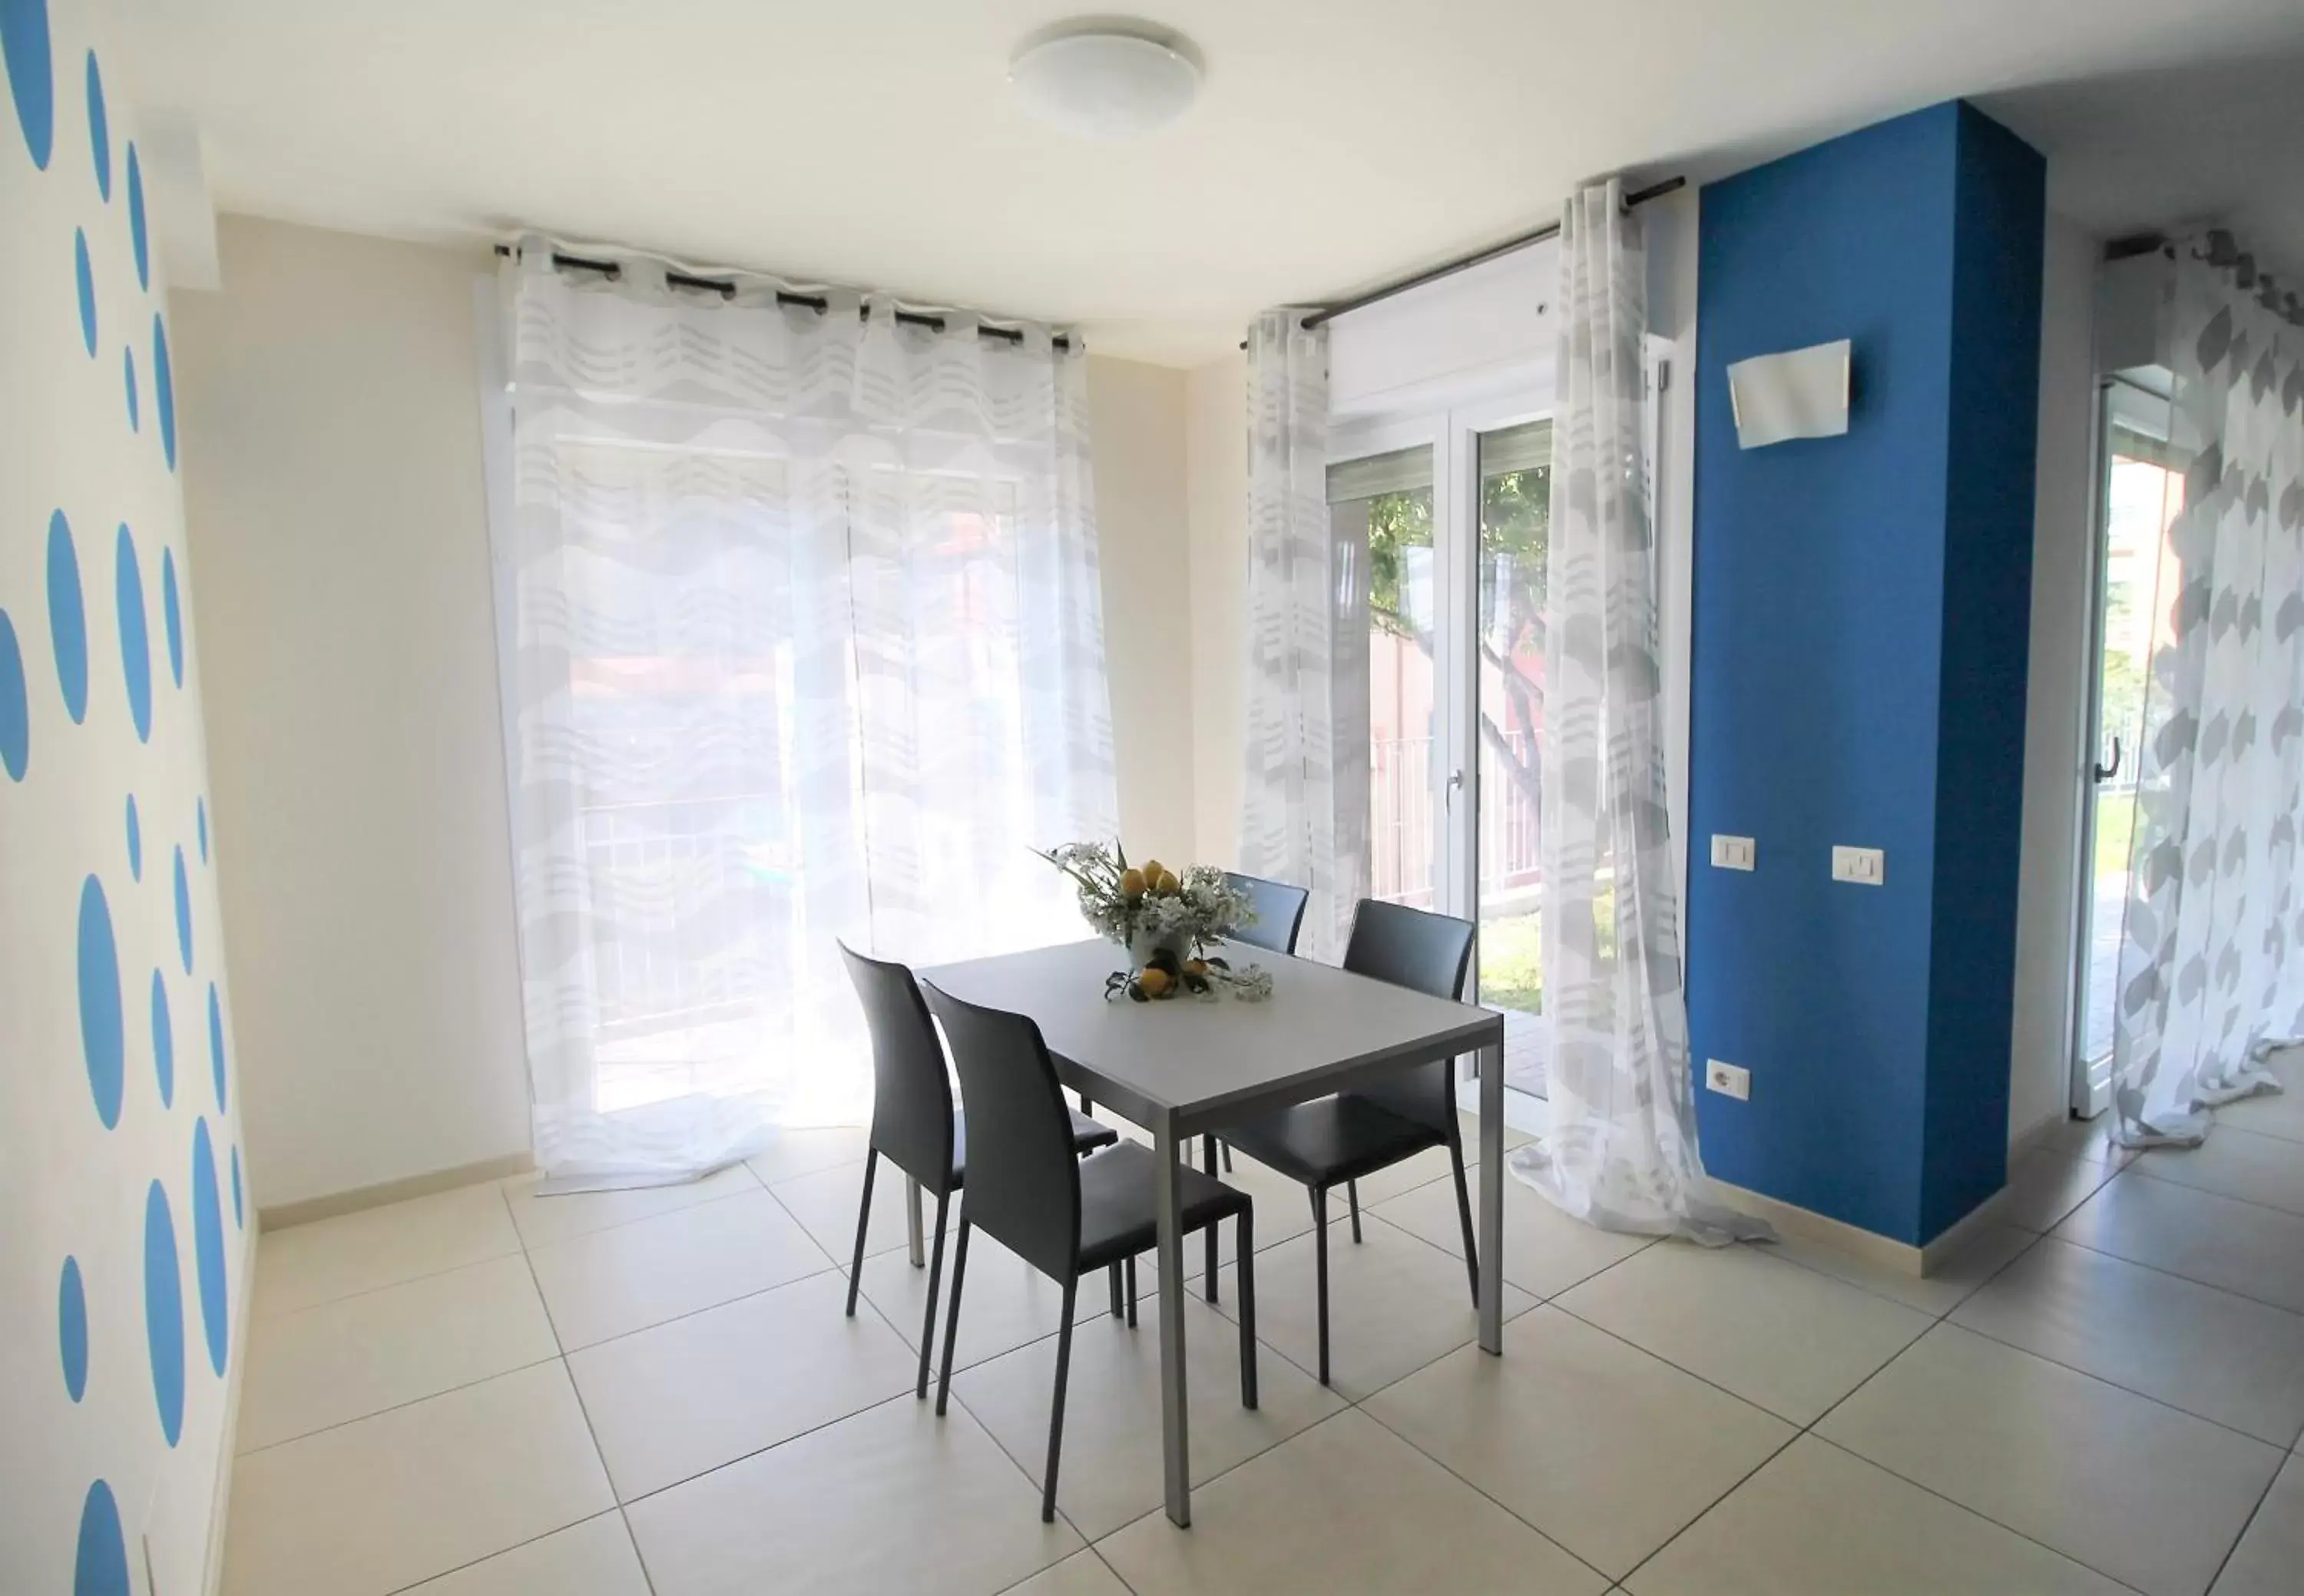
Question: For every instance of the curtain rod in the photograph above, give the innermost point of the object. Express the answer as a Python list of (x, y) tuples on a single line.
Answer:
[(1654, 190), (817, 302)]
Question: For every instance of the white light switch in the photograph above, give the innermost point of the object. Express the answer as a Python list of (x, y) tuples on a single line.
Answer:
[(1866, 867), (1732, 852), (1727, 1079)]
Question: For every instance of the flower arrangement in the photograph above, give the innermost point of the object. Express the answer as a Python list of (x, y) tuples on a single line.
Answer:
[(1164, 919)]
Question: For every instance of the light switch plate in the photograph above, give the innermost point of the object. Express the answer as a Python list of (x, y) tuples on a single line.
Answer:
[(1864, 867), (1727, 1079), (1732, 853)]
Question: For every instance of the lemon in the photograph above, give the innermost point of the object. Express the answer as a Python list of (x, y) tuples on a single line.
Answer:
[(1155, 982), (1167, 884), (1132, 883)]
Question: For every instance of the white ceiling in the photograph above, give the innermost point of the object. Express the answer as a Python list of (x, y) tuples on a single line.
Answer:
[(1338, 143)]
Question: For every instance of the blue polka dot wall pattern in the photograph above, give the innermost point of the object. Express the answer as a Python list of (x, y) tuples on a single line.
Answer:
[(128, 379), (139, 239), (135, 842), (183, 892), (135, 642), (163, 1312), (99, 129), (15, 705), (72, 1328), (172, 617), (103, 1041), (164, 1041), (31, 74), (208, 1248), (100, 1563), (163, 389), (67, 616), (84, 281)]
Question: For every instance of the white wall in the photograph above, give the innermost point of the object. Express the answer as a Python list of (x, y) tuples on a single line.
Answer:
[(1136, 419), (1215, 456), (125, 1244), (2064, 536), (333, 493), (337, 504)]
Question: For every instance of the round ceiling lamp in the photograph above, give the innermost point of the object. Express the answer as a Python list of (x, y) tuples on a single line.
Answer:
[(1099, 82)]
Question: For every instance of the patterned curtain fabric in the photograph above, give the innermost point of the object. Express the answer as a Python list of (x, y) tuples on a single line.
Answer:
[(805, 642), (1621, 1151), (2211, 949), (1305, 803)]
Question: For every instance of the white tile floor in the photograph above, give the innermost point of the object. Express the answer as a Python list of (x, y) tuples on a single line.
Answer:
[(489, 1393)]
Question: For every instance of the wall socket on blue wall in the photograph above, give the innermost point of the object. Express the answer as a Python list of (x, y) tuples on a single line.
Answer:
[(1729, 1080)]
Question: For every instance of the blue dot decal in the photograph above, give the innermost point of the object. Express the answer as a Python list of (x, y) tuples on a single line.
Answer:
[(163, 1312), (183, 913), (164, 1042), (15, 706), (239, 1219), (100, 1565), (135, 642), (208, 1248), (67, 619), (171, 615), (101, 1034), (137, 237), (135, 842), (128, 378), (164, 388), (215, 1044), (200, 815), (99, 131), (31, 78), (85, 275), (72, 1330)]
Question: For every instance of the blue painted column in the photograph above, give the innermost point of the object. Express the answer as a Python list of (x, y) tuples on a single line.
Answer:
[(1861, 606)]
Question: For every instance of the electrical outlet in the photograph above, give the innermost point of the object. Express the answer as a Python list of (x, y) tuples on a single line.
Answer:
[(1864, 867), (1729, 1080), (1732, 853)]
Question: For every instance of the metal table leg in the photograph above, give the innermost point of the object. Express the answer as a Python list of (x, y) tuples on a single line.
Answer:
[(1492, 1198), (1175, 1442)]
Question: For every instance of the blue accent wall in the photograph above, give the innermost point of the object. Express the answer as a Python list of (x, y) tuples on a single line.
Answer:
[(1861, 606)]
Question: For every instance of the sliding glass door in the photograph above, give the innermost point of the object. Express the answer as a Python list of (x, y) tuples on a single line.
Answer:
[(1456, 506), (2143, 492)]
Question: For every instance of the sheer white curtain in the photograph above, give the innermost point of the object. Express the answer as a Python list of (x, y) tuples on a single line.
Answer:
[(1305, 799), (1621, 1151), (2211, 949), (806, 644)]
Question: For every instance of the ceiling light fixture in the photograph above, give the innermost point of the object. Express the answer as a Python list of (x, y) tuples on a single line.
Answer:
[(1104, 80)]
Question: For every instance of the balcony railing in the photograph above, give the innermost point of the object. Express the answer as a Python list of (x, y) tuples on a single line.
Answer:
[(1401, 820)]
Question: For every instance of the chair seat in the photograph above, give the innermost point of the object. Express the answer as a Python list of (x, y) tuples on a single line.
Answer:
[(1331, 1139), (1119, 1210), (1087, 1134)]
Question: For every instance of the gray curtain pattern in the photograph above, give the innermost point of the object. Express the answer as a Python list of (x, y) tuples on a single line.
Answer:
[(1621, 1148), (2210, 977), (1305, 796)]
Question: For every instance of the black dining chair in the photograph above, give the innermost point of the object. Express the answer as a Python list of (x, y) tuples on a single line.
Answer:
[(913, 1124), (1278, 908), (1065, 1217), (1336, 1140)]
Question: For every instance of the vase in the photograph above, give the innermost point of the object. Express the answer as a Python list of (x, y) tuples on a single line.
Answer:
[(1144, 945)]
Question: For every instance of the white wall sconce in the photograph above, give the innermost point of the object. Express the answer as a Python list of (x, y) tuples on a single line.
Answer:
[(1801, 393)]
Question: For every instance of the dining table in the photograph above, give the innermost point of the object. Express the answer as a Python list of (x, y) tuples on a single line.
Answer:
[(1184, 1067)]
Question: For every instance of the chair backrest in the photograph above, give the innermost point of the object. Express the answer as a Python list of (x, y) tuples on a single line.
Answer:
[(1023, 1185), (911, 1096), (1279, 910), (1430, 953)]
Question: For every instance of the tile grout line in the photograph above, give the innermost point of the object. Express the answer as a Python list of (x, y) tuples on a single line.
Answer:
[(2135, 1165), (568, 1372), (2248, 1523), (2087, 1246)]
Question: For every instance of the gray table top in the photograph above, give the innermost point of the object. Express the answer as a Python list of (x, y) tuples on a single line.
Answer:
[(1320, 1027)]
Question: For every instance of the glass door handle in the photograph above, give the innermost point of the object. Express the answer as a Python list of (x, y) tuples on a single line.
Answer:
[(1456, 781), (2106, 772)]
